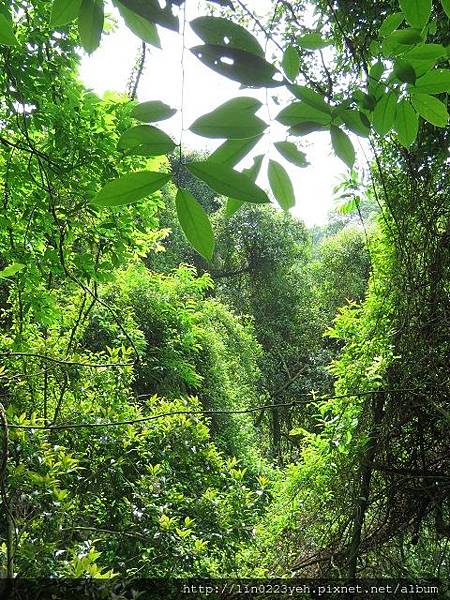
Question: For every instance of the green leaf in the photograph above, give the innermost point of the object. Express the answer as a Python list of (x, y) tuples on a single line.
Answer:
[(298, 112), (143, 28), (11, 270), (310, 97), (375, 73), (290, 152), (224, 180), (405, 72), (406, 123), (391, 23), (153, 110), (423, 57), (152, 11), (145, 140), (431, 109), (7, 36), (281, 185), (234, 119), (401, 41), (306, 127), (231, 152), (130, 188), (291, 63), (246, 68), (313, 41), (64, 11), (222, 32), (195, 223), (252, 172), (356, 121), (90, 24), (342, 146), (446, 7), (384, 113), (434, 82), (417, 12)]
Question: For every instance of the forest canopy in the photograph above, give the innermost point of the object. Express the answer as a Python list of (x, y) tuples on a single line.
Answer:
[(192, 382)]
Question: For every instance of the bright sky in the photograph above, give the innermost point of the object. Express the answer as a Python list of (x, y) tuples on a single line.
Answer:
[(108, 69)]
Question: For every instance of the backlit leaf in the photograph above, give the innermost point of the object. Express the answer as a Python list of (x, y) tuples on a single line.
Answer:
[(431, 109), (313, 41), (310, 97), (298, 112), (434, 82), (145, 140), (153, 110), (342, 146), (356, 121), (417, 12), (130, 188), (252, 172), (7, 36), (281, 185), (246, 68), (405, 72), (195, 223), (224, 180), (64, 11), (391, 23), (446, 7), (401, 41), (384, 113), (232, 152), (152, 11), (406, 123), (234, 119), (223, 32), (291, 62), (90, 24), (290, 152), (143, 28)]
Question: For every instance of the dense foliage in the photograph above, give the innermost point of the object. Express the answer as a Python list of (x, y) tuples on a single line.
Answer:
[(191, 381)]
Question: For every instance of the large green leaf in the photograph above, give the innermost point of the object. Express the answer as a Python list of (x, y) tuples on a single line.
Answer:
[(356, 121), (153, 110), (246, 68), (306, 127), (424, 56), (384, 113), (145, 140), (281, 185), (406, 123), (342, 146), (143, 28), (313, 41), (90, 24), (446, 7), (222, 32), (252, 172), (7, 36), (130, 188), (417, 12), (231, 152), (234, 119), (401, 41), (431, 109), (404, 71), (224, 180), (434, 82), (290, 152), (291, 63), (391, 23), (195, 223), (310, 97), (11, 270), (64, 11), (298, 112), (152, 11)]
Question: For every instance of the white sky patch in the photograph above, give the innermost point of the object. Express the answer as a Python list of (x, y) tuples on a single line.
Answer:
[(108, 69)]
